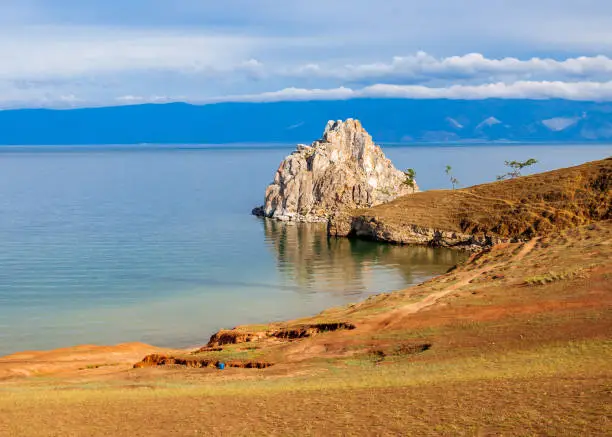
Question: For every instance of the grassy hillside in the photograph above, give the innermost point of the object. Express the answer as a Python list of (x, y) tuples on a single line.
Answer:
[(515, 341), (513, 209)]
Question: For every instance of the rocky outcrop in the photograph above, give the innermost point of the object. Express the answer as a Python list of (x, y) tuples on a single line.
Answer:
[(310, 330), (233, 336), (237, 336), (343, 170), (371, 228), (156, 360)]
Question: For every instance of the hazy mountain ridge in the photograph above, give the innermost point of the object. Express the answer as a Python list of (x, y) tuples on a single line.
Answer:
[(388, 120)]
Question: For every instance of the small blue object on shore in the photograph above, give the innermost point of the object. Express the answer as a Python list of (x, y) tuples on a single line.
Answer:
[(221, 366)]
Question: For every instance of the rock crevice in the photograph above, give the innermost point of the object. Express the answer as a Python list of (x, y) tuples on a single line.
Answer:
[(342, 170)]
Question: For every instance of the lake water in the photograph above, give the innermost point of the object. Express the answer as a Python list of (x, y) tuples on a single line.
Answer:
[(156, 244)]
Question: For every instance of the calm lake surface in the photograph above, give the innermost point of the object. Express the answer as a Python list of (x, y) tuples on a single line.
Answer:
[(102, 245)]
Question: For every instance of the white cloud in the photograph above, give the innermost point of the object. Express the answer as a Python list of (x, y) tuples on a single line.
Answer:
[(134, 100), (423, 67), (580, 91), (292, 94), (48, 53), (67, 53), (87, 54), (585, 91)]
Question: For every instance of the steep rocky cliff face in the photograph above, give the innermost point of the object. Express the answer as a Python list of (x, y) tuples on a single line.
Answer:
[(343, 170)]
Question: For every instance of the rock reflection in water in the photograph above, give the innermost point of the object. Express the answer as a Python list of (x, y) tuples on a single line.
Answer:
[(315, 262)]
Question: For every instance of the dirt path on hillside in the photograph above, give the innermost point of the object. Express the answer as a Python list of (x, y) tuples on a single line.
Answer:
[(527, 247), (464, 279)]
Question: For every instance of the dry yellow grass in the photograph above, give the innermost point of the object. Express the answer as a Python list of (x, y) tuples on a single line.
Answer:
[(506, 358), (518, 208), (539, 392), (516, 341)]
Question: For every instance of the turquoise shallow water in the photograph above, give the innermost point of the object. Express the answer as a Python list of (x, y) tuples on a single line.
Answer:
[(156, 244)]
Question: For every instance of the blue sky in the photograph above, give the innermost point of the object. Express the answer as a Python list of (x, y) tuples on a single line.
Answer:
[(69, 53)]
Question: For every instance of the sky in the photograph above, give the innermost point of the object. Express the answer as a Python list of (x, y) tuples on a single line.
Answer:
[(80, 53)]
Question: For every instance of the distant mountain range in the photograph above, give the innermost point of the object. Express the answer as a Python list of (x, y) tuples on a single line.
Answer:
[(388, 120)]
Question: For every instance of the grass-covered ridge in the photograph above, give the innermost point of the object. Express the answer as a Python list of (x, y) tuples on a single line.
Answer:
[(520, 208)]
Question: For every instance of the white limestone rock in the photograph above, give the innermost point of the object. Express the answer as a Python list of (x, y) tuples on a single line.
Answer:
[(343, 170)]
